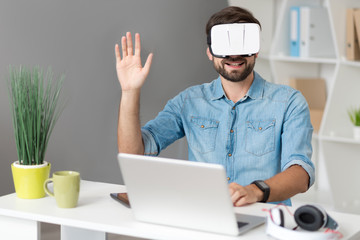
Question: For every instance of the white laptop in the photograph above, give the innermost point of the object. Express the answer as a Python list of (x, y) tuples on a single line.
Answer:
[(182, 194)]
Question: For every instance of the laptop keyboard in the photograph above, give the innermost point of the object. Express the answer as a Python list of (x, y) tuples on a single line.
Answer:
[(242, 224)]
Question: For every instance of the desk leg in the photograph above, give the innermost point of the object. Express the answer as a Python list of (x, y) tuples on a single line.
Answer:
[(19, 229), (72, 233)]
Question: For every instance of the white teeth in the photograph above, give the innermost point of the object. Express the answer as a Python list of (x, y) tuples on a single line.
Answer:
[(235, 64)]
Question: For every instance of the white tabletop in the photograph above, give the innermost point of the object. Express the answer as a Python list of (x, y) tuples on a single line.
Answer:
[(97, 211)]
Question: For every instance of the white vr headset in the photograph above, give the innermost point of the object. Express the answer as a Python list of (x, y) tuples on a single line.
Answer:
[(234, 39)]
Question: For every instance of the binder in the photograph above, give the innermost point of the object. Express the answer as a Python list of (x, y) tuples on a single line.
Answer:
[(352, 43), (315, 32), (357, 26), (295, 31), (304, 31), (314, 91)]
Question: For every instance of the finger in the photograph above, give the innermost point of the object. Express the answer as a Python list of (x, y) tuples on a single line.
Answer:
[(129, 44), (124, 47), (137, 44), (243, 201), (235, 197), (117, 53), (231, 191), (148, 63)]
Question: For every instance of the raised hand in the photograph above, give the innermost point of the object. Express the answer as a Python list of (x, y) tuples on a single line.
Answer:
[(130, 72)]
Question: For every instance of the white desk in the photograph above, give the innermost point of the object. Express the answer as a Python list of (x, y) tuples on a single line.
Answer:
[(97, 214)]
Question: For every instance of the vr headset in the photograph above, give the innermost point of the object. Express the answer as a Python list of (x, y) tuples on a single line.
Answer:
[(309, 218), (234, 39)]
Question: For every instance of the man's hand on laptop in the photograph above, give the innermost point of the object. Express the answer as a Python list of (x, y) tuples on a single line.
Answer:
[(241, 195)]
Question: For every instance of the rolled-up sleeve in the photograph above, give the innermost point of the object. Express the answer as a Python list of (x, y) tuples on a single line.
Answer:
[(166, 128), (296, 136), (150, 146), (309, 168)]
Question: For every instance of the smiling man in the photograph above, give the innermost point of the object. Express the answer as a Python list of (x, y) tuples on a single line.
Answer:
[(260, 132)]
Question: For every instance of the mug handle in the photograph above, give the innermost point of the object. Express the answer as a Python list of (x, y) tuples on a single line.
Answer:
[(46, 188)]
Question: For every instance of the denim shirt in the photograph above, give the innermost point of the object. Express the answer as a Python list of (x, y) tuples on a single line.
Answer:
[(261, 135)]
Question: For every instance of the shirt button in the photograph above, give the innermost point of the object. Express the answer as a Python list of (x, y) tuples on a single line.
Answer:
[(229, 154), (202, 126), (233, 108), (231, 131), (260, 128), (228, 178)]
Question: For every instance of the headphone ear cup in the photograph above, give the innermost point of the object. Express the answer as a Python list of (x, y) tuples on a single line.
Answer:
[(309, 218), (278, 216)]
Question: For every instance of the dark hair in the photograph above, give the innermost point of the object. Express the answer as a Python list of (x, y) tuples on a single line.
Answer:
[(231, 15)]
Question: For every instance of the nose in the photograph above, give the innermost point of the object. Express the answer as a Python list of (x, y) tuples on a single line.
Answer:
[(235, 58)]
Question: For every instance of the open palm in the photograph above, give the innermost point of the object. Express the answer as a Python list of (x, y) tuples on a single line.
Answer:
[(130, 72)]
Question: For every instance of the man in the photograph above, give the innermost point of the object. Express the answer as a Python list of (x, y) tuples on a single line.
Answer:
[(260, 132)]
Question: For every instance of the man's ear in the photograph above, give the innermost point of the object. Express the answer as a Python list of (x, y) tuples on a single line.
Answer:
[(256, 55), (208, 53)]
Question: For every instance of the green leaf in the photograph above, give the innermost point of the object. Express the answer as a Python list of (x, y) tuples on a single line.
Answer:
[(354, 115), (34, 98)]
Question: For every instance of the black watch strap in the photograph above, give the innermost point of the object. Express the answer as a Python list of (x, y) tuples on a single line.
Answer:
[(264, 188)]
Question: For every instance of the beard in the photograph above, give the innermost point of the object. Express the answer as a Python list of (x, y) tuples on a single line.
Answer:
[(235, 75)]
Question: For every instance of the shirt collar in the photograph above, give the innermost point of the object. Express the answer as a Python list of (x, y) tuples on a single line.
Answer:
[(255, 92), (218, 91)]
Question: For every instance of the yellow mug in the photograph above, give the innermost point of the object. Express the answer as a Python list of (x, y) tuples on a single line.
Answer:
[(66, 188)]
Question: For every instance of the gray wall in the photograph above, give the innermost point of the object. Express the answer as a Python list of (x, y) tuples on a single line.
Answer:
[(77, 37)]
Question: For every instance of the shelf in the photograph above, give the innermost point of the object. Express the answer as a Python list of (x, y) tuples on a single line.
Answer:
[(304, 60), (339, 139), (344, 94), (334, 142), (350, 63)]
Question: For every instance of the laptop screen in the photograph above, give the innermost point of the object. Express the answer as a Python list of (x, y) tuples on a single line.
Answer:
[(179, 193)]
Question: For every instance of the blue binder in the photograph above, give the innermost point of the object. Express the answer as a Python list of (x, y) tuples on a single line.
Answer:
[(295, 31)]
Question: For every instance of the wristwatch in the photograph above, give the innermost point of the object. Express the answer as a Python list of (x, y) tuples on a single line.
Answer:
[(264, 188)]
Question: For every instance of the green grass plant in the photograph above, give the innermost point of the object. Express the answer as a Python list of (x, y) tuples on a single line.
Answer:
[(354, 115), (35, 109)]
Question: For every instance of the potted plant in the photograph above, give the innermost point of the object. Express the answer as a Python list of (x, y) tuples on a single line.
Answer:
[(354, 115), (34, 105)]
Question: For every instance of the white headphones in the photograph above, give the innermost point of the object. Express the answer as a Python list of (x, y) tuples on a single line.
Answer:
[(309, 218)]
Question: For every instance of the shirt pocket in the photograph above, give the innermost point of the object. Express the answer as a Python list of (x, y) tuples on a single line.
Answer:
[(260, 137), (203, 133)]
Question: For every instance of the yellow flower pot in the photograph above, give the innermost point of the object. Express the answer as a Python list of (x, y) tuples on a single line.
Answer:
[(29, 179)]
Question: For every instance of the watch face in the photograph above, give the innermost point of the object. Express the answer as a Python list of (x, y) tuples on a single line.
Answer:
[(263, 185)]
